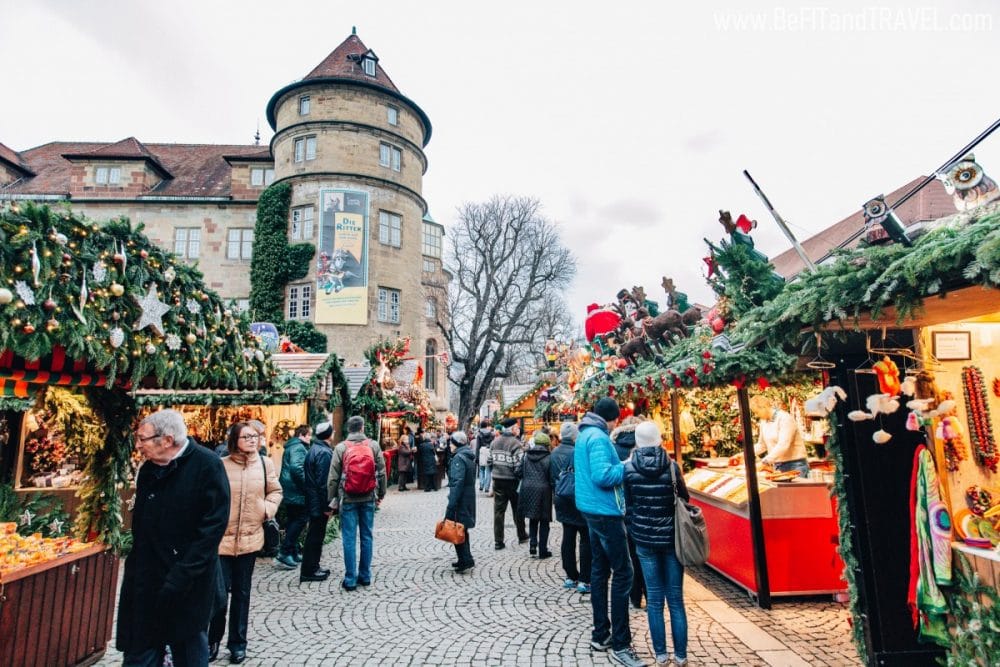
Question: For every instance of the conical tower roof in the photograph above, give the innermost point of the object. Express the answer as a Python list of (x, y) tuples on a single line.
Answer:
[(345, 62)]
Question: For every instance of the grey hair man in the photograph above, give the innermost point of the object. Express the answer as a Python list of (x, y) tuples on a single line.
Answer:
[(172, 581), (357, 481)]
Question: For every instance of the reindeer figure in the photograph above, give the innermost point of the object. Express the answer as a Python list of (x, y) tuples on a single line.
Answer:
[(633, 344)]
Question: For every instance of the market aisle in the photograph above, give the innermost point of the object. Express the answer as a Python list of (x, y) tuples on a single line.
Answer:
[(509, 610)]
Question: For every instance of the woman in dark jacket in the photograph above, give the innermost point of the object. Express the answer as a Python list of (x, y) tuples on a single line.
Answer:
[(427, 458), (462, 495), (649, 517), (623, 439), (568, 515), (535, 499)]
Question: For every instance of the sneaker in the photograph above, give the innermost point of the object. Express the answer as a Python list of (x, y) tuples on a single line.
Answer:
[(297, 557), (603, 645), (664, 660), (285, 562), (627, 657), (569, 583), (680, 662), (582, 588)]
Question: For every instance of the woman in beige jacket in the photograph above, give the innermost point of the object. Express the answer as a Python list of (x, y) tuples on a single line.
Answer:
[(255, 494)]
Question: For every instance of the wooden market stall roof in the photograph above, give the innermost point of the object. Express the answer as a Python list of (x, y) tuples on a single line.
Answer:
[(524, 404), (961, 304)]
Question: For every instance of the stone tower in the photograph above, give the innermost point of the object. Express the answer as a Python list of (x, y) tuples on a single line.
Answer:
[(351, 146)]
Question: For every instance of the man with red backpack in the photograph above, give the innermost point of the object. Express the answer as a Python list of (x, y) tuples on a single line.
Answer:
[(357, 478)]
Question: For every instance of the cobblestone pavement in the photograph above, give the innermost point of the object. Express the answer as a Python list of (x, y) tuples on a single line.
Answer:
[(509, 610)]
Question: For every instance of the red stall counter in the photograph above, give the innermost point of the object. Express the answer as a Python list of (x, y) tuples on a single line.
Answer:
[(800, 534)]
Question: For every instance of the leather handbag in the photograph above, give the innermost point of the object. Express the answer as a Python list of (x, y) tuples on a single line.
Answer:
[(272, 531), (690, 530), (450, 531)]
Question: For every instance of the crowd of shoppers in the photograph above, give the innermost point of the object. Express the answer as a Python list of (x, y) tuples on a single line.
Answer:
[(198, 522)]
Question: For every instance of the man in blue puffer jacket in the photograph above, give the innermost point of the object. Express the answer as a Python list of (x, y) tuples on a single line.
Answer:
[(601, 500)]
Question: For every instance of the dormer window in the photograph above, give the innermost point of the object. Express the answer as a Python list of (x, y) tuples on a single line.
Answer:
[(108, 175), (261, 176), (368, 63)]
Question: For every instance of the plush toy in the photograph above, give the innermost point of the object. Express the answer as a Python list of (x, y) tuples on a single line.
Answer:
[(909, 386), (823, 403), (881, 437), (877, 404), (888, 376)]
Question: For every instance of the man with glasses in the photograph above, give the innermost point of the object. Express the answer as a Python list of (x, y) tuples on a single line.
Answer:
[(172, 579)]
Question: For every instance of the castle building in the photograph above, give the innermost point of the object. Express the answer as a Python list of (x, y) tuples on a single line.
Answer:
[(349, 144)]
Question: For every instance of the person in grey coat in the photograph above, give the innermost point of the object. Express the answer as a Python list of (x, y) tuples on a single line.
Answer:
[(462, 495), (569, 516)]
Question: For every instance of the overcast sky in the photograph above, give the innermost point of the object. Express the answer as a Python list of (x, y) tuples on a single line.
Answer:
[(631, 121)]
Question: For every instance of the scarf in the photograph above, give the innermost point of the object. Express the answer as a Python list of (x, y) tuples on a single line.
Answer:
[(930, 551)]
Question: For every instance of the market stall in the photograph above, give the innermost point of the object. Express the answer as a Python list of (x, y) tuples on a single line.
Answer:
[(88, 313)]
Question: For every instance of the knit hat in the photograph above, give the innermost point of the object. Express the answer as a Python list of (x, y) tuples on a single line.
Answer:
[(509, 422), (568, 431), (607, 409), (323, 431), (541, 439), (459, 438), (647, 434)]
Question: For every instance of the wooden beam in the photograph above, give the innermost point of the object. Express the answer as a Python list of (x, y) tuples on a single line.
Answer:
[(960, 304)]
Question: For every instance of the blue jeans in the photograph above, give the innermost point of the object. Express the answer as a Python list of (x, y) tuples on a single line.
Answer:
[(664, 579), (801, 465), (485, 477), (355, 517), (609, 554)]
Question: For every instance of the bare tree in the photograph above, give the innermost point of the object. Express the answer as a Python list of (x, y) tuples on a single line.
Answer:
[(510, 269)]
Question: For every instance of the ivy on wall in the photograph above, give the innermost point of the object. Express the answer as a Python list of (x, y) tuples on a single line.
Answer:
[(275, 262)]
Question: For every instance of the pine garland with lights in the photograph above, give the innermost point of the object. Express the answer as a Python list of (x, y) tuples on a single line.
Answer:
[(975, 618), (275, 262), (83, 287)]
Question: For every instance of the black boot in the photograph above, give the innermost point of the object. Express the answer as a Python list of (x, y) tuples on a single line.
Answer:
[(213, 651)]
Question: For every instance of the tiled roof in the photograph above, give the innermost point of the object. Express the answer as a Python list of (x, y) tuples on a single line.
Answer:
[(126, 149), (13, 158), (929, 204), (198, 170), (344, 62)]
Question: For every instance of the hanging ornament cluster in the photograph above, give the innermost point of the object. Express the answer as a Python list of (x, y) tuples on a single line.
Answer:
[(949, 432), (984, 447)]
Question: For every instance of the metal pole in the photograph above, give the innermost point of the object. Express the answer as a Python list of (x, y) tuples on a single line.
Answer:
[(781, 223), (756, 519), (675, 423)]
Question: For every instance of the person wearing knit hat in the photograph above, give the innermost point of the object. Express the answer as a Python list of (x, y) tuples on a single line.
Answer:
[(623, 438), (649, 493), (573, 524), (536, 494), (462, 496), (316, 470), (598, 477), (505, 454)]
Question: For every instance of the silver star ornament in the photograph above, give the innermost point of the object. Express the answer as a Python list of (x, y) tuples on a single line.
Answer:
[(153, 311)]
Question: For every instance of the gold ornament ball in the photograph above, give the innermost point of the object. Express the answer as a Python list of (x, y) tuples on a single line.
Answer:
[(191, 339), (6, 296), (52, 324), (117, 289)]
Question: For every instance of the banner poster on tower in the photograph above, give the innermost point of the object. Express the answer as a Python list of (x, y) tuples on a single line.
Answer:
[(342, 260)]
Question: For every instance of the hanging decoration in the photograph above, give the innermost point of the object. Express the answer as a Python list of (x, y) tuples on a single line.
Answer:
[(26, 294), (116, 337), (99, 272), (949, 432), (78, 311), (173, 342), (984, 447), (152, 311)]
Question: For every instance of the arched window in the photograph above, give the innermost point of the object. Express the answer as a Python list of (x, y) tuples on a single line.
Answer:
[(431, 365)]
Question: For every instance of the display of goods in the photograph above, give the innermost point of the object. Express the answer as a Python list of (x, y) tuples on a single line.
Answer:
[(984, 446), (714, 487), (17, 551), (784, 476), (978, 499), (728, 486), (699, 478), (740, 496)]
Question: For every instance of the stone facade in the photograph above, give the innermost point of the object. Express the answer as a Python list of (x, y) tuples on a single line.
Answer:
[(202, 199)]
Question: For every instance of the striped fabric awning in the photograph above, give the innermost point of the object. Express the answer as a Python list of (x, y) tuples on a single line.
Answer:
[(56, 369)]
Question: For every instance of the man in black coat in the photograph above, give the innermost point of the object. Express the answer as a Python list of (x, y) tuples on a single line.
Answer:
[(316, 471), (462, 495), (172, 581), (427, 457)]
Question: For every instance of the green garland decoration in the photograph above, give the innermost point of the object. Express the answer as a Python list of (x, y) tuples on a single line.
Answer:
[(975, 612), (43, 509), (108, 472), (275, 262), (75, 284), (846, 545), (743, 276)]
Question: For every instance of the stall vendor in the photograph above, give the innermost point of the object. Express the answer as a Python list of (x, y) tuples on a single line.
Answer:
[(779, 437)]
